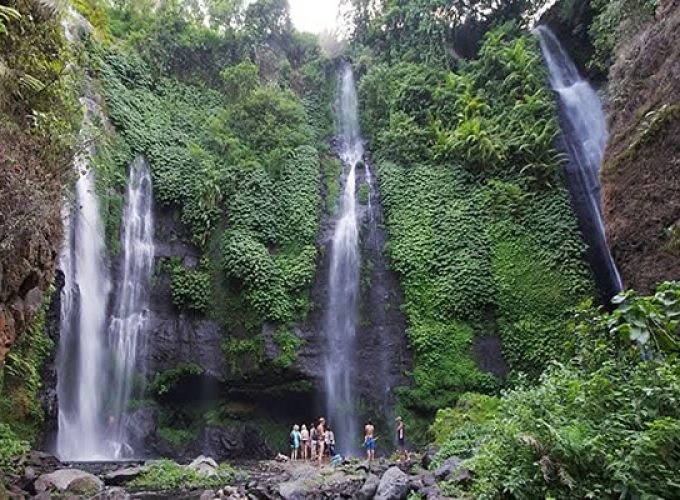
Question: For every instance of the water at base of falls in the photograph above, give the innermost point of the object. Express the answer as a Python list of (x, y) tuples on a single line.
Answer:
[(96, 365), (340, 322), (584, 137)]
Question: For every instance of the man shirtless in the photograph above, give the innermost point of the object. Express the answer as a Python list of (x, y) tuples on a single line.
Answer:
[(321, 435), (369, 440)]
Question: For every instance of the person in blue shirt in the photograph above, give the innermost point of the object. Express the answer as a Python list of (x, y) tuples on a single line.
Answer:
[(295, 442)]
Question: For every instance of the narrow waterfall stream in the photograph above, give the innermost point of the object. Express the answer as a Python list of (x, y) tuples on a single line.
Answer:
[(130, 313), (82, 351), (97, 364), (341, 308), (584, 136)]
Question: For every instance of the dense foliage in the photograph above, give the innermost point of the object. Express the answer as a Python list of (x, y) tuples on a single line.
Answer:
[(482, 232), (606, 424), (231, 118), (38, 128)]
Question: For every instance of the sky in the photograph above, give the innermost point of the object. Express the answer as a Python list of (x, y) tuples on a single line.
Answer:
[(314, 15)]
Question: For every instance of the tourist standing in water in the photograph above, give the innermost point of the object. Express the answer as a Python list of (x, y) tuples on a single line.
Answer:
[(304, 437), (369, 440), (401, 440)]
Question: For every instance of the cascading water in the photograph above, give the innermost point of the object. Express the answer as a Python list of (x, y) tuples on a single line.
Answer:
[(81, 378), (132, 297), (341, 309), (584, 137)]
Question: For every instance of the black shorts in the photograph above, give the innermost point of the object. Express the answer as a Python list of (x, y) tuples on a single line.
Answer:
[(401, 443)]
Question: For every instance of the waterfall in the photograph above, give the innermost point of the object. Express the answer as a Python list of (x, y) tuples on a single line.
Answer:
[(96, 364), (584, 137), (81, 356), (341, 308), (130, 312)]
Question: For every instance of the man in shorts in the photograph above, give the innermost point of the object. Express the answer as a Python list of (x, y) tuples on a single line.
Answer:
[(369, 440)]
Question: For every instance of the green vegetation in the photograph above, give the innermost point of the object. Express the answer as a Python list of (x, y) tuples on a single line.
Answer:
[(21, 380), (605, 424), (163, 382), (481, 229), (166, 475), (288, 344)]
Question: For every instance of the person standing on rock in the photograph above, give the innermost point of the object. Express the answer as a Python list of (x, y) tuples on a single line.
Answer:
[(295, 442), (304, 437), (369, 440), (314, 440), (321, 436), (401, 442)]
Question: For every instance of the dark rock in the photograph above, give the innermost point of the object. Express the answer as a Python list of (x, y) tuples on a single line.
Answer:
[(394, 485), (141, 424), (112, 494), (122, 476), (428, 455), (369, 488), (452, 469)]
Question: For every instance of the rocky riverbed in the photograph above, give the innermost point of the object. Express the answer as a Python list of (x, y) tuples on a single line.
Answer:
[(42, 476)]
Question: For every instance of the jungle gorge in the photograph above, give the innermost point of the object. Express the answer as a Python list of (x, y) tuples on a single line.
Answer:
[(465, 213)]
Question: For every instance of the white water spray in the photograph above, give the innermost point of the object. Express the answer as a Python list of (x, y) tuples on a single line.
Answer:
[(81, 376), (343, 292), (128, 324), (585, 137)]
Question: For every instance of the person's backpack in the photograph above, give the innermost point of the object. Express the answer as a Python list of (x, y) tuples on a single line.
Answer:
[(314, 434), (292, 438)]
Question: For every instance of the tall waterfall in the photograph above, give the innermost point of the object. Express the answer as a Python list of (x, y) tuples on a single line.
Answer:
[(81, 357), (341, 308), (584, 137), (130, 312)]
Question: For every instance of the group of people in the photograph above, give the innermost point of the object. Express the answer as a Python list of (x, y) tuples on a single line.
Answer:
[(313, 443), (318, 441)]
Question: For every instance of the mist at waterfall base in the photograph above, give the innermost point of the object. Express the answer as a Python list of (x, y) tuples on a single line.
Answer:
[(341, 313), (584, 136), (96, 365)]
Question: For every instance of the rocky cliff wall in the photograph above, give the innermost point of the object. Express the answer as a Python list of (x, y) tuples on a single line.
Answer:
[(641, 170)]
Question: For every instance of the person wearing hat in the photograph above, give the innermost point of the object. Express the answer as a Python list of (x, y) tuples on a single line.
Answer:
[(401, 442)]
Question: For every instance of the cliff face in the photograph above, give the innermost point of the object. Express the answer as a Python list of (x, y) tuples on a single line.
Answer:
[(641, 169), (30, 234)]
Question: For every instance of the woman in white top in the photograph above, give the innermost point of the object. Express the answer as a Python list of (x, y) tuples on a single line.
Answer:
[(304, 437)]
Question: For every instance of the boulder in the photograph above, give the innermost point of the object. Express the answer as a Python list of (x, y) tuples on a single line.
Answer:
[(369, 488), (205, 466), (112, 494), (122, 476), (73, 481), (394, 485), (428, 455), (452, 470), (141, 424), (207, 495)]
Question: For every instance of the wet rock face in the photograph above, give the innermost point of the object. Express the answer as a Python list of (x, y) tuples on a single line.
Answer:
[(175, 337), (641, 169)]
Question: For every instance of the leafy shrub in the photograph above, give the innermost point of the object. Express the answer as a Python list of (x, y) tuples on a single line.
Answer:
[(604, 425), (11, 447), (288, 344), (191, 289), (163, 382), (166, 475)]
